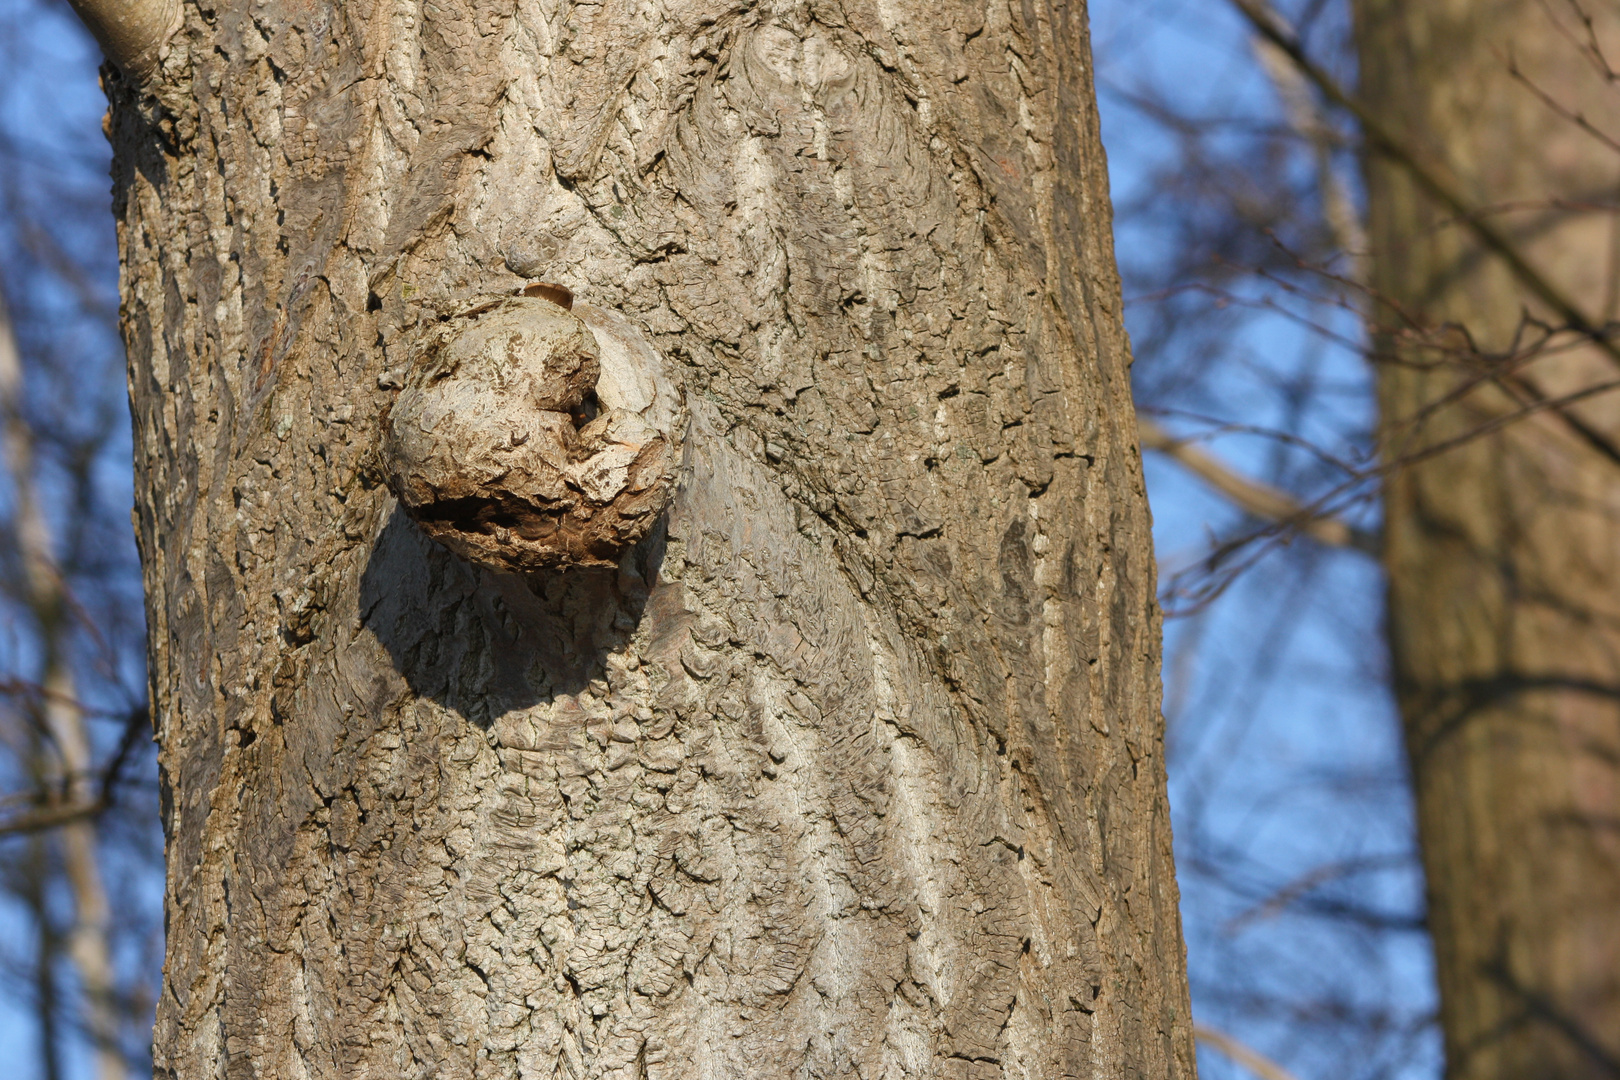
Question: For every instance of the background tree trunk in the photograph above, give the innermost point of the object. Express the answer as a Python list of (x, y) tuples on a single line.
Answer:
[(1504, 614), (853, 769)]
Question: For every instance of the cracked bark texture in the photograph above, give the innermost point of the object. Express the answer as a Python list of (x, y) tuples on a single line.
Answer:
[(1504, 618), (853, 767)]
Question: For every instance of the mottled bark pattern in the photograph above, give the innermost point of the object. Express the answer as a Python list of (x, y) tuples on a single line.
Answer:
[(853, 767), (1504, 552)]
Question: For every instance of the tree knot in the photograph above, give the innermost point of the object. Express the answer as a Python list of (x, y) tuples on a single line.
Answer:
[(527, 436)]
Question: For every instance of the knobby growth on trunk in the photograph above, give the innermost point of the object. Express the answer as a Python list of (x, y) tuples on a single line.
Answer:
[(134, 34), (849, 761)]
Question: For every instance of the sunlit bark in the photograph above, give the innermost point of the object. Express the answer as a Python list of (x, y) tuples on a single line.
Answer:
[(853, 764)]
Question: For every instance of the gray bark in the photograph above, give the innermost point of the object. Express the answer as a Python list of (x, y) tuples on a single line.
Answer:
[(853, 764)]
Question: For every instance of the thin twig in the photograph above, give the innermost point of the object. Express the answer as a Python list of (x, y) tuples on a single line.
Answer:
[(1262, 500), (1250, 1059), (1383, 139), (1558, 108)]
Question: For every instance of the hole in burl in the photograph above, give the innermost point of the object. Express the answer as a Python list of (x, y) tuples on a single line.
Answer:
[(588, 408), (500, 448), (560, 295)]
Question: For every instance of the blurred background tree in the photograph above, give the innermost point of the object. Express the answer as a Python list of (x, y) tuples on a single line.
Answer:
[(1467, 138), (1492, 188), (1239, 208), (1258, 241)]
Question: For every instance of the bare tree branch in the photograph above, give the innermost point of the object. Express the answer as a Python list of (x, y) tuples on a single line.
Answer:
[(1253, 1060), (1306, 117), (70, 763), (1285, 897), (132, 33), (1382, 139), (1252, 496), (50, 817)]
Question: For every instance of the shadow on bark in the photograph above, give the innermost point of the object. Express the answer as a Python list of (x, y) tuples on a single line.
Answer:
[(1535, 1009), (484, 643), (1448, 709)]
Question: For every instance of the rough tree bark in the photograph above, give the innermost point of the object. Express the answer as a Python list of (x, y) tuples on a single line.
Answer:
[(852, 764), (1504, 611)]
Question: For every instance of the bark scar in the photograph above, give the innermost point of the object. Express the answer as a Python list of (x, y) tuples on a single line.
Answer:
[(527, 436)]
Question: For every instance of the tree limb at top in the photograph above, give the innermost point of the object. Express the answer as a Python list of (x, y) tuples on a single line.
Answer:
[(132, 33)]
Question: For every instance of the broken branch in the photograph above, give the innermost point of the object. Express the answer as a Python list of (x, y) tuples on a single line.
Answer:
[(132, 33)]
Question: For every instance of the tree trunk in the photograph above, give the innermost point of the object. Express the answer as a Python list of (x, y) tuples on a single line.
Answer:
[(1504, 565), (853, 764)]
